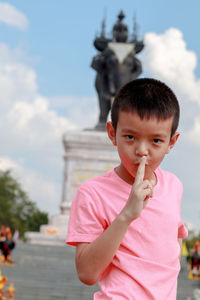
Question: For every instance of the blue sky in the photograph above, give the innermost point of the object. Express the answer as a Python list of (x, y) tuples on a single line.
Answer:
[(47, 85)]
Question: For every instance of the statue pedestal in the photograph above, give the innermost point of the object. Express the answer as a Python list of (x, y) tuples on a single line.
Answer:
[(87, 154)]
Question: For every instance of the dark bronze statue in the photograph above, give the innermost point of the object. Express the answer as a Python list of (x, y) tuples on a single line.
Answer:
[(115, 65)]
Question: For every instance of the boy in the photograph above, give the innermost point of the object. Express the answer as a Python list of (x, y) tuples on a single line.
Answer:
[(126, 225)]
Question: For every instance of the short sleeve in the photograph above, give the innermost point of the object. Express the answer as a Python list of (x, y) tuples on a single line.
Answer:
[(85, 223), (182, 231)]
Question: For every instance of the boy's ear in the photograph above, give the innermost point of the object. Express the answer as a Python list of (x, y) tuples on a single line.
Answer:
[(173, 140), (111, 133)]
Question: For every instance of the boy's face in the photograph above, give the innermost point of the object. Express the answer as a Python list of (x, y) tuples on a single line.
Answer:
[(135, 138)]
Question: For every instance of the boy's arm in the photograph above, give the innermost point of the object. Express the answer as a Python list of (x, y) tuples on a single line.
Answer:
[(92, 259), (180, 244)]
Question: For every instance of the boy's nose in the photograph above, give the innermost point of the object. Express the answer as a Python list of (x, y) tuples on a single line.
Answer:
[(141, 150)]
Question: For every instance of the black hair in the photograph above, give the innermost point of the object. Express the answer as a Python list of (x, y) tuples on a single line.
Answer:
[(147, 97)]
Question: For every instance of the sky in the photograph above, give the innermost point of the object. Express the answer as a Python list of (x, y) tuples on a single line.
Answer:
[(47, 84)]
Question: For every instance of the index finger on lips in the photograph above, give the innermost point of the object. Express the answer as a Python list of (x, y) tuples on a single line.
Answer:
[(140, 171)]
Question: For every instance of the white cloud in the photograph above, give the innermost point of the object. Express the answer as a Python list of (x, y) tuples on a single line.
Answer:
[(29, 121), (166, 57), (194, 133), (7, 164), (17, 80), (37, 124), (11, 16), (30, 132), (81, 111)]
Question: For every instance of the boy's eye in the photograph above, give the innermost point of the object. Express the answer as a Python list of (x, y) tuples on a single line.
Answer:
[(156, 141), (130, 137)]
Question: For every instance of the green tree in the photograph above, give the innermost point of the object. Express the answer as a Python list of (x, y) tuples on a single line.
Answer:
[(16, 210)]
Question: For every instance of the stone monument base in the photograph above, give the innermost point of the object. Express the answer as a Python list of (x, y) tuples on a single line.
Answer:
[(87, 154), (52, 234)]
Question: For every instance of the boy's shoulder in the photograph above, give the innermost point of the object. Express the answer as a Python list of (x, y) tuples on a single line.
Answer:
[(167, 177), (107, 179)]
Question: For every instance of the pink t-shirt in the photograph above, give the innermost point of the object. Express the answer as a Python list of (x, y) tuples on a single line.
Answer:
[(146, 265)]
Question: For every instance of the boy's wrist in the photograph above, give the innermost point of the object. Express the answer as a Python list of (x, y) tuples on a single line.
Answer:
[(125, 217)]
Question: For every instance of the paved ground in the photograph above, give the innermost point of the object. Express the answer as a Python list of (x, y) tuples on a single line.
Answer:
[(48, 273)]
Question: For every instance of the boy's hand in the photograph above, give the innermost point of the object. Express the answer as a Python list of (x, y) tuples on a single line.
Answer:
[(140, 192)]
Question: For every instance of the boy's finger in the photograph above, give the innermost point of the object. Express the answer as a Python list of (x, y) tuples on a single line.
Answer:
[(140, 171)]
